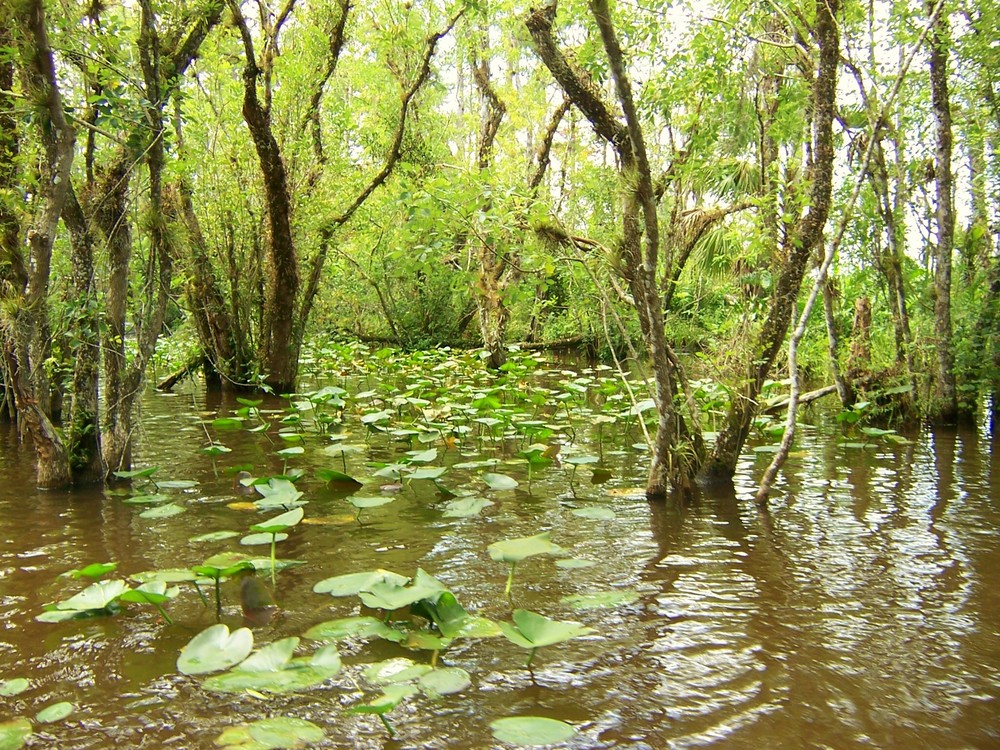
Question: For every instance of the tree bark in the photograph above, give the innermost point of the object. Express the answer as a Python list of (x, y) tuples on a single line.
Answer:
[(805, 237), (944, 409)]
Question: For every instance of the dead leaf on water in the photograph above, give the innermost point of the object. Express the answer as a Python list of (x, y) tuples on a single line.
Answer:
[(241, 505), (341, 520)]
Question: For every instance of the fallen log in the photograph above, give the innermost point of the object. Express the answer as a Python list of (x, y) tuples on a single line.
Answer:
[(184, 371), (782, 401)]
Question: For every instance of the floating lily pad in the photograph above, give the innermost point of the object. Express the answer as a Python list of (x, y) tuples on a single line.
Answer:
[(369, 502), (444, 681), (515, 550), (215, 649), (16, 686), (352, 584), (213, 536), (163, 511), (395, 671), (253, 539), (595, 512), (14, 733), (532, 630), (94, 570), (96, 596), (572, 563), (278, 733), (428, 472), (531, 731), (392, 696), (390, 596), (356, 627), (55, 712), (146, 499), (600, 599), (177, 484), (330, 476), (499, 481), (466, 507)]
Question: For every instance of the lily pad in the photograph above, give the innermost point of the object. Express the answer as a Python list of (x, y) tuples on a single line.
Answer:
[(532, 630), (14, 733), (94, 570), (466, 507), (214, 536), (253, 539), (531, 731), (595, 512), (55, 712), (392, 696), (395, 671), (369, 502), (444, 681), (352, 584), (280, 522), (96, 596), (352, 627), (515, 550), (573, 563), (215, 649), (16, 686), (278, 733), (390, 596), (601, 599), (499, 481), (177, 484), (163, 511)]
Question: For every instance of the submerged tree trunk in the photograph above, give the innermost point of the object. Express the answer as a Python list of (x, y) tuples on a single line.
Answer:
[(805, 237)]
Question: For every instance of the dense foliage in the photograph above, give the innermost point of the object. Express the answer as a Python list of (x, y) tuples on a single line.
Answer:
[(655, 181)]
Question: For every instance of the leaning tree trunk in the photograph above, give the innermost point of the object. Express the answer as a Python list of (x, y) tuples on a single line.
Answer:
[(805, 236), (279, 352), (944, 408)]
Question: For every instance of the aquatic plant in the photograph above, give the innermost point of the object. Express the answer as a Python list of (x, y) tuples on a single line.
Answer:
[(514, 550), (533, 631)]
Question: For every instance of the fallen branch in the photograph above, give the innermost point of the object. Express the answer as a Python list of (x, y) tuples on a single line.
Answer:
[(805, 398)]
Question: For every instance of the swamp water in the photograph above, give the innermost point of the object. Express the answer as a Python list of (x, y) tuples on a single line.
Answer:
[(862, 611)]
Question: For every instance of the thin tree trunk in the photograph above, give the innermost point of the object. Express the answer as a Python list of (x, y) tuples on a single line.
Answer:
[(806, 235), (844, 390), (944, 408)]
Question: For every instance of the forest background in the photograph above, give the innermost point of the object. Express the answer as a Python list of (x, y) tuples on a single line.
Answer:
[(676, 184)]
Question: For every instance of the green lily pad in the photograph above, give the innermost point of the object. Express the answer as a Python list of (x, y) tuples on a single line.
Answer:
[(215, 649), (55, 712), (531, 731), (369, 502), (213, 536), (573, 563), (444, 681), (532, 630), (356, 627), (352, 584), (280, 523), (395, 671), (425, 457), (600, 599), (163, 511), (499, 481), (137, 473), (146, 499), (595, 512), (466, 507), (96, 596), (278, 733), (152, 592), (177, 484), (14, 733), (390, 596), (94, 570), (428, 472), (515, 550), (252, 539), (16, 686), (392, 696), (330, 476)]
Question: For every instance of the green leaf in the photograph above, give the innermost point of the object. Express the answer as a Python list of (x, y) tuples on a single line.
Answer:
[(390, 596), (215, 649), (352, 584), (280, 523), (395, 671), (55, 712), (14, 733), (392, 696), (146, 499), (532, 630), (136, 473), (272, 657), (253, 539), (153, 592), (370, 502), (177, 484), (600, 599), (425, 457), (214, 536), (163, 511), (227, 423), (515, 550), (94, 570), (16, 686), (278, 733), (499, 481), (352, 627), (466, 507), (572, 563), (428, 472), (595, 512), (331, 476), (295, 450), (531, 731), (444, 681), (96, 596), (581, 460)]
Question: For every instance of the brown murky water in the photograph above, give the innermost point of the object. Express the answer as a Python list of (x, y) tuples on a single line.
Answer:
[(863, 611)]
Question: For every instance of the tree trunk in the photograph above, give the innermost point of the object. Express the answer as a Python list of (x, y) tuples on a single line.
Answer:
[(944, 409), (805, 236)]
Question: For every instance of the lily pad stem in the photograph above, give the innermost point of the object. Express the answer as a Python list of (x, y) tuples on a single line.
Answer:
[(510, 580)]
